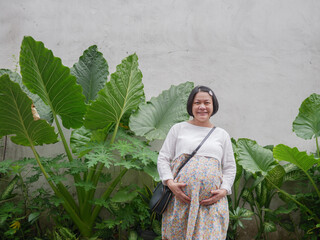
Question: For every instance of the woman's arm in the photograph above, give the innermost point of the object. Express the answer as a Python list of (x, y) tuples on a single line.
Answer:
[(166, 154), (228, 166)]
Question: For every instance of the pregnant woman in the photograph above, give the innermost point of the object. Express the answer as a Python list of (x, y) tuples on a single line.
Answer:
[(199, 208)]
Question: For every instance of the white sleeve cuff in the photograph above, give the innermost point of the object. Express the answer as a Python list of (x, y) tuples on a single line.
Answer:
[(226, 187)]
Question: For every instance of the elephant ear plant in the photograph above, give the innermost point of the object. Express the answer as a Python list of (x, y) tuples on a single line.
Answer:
[(96, 109), (268, 175)]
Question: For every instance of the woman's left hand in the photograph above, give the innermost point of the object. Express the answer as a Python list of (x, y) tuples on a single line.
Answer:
[(216, 196)]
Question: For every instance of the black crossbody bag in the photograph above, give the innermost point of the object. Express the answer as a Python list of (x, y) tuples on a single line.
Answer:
[(162, 194)]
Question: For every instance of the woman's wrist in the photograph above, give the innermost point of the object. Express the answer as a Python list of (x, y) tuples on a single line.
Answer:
[(225, 190), (168, 182)]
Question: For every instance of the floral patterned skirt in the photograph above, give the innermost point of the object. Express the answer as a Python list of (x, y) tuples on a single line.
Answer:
[(182, 221)]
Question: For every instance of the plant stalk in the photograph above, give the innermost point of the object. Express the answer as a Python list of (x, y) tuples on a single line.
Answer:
[(64, 191), (25, 191), (5, 148), (313, 183), (100, 168), (261, 227), (66, 147), (105, 195), (115, 133), (293, 199), (83, 227), (317, 144), (80, 192)]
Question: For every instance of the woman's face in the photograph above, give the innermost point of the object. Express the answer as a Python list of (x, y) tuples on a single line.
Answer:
[(202, 107)]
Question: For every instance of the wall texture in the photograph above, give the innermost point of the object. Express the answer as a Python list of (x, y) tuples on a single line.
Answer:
[(262, 58)]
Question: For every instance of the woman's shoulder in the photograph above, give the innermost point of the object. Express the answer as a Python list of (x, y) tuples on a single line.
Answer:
[(177, 126), (223, 132)]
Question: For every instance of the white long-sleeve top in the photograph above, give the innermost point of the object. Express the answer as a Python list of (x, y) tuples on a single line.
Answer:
[(184, 137)]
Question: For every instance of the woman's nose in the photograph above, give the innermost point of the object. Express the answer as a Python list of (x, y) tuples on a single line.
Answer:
[(201, 106)]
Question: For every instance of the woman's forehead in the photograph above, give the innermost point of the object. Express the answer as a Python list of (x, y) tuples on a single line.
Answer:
[(202, 95)]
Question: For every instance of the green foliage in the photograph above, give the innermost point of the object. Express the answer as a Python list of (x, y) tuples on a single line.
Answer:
[(62, 233), (276, 176), (263, 177), (240, 192), (307, 123), (91, 72), (42, 109), (305, 194), (254, 158), (44, 75), (154, 118), (294, 156), (258, 164), (21, 207), (236, 217), (121, 94), (17, 118), (99, 142), (6, 194), (126, 212)]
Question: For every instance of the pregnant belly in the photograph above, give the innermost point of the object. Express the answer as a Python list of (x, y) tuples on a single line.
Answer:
[(202, 175)]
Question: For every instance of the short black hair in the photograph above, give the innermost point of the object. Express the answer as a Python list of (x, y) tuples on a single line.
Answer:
[(202, 89)]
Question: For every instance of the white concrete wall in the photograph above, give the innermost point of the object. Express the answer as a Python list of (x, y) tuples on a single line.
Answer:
[(261, 57)]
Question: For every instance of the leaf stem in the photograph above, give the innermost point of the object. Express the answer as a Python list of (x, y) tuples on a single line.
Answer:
[(313, 183), (25, 191), (259, 213), (106, 194), (5, 147), (66, 147), (83, 227), (80, 192), (317, 144), (313, 215), (115, 133)]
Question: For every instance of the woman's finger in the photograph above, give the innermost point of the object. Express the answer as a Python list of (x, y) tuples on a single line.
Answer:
[(176, 188), (217, 195), (206, 202)]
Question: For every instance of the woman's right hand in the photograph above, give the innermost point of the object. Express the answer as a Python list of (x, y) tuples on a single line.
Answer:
[(176, 188)]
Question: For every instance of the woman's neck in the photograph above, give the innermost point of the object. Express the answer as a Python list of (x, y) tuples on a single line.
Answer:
[(201, 124)]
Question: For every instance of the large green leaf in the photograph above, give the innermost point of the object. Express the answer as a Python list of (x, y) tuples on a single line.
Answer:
[(42, 109), (16, 117), (120, 95), (15, 77), (293, 155), (307, 123), (253, 157), (154, 118), (91, 72), (44, 74)]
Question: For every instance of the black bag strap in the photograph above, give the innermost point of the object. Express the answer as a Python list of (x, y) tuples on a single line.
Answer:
[(195, 151)]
